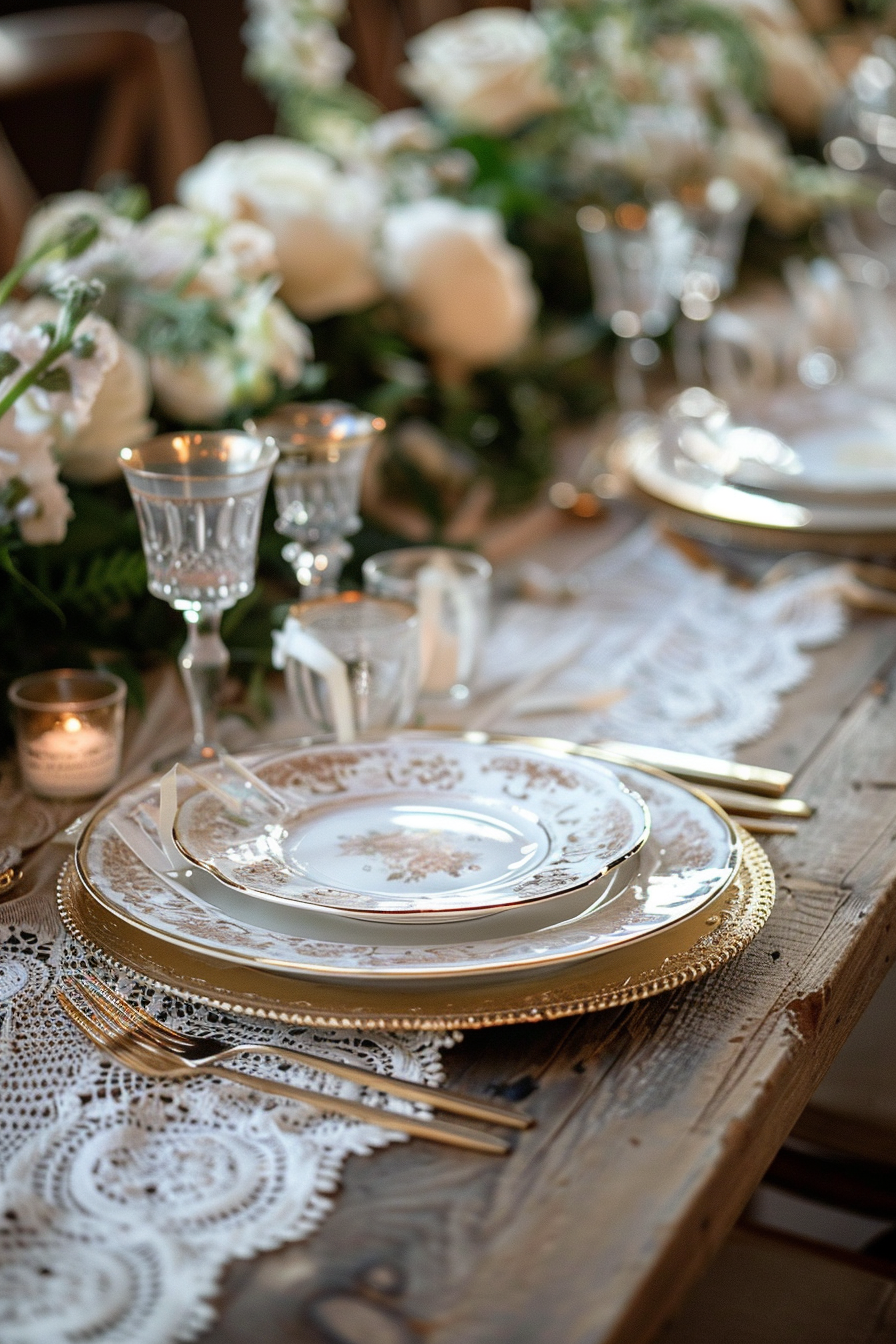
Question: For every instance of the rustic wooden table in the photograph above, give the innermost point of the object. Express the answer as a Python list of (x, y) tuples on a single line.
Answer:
[(655, 1121)]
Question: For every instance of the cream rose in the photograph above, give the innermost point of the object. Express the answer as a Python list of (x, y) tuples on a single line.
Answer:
[(119, 416), (173, 241), (485, 69), (108, 255), (323, 220), (269, 348), (108, 404), (802, 82), (468, 292)]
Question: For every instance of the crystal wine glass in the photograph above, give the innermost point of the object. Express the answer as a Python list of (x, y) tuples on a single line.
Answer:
[(199, 498), (317, 484), (637, 258)]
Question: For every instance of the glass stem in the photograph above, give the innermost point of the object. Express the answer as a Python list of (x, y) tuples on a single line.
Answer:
[(628, 380), (204, 661)]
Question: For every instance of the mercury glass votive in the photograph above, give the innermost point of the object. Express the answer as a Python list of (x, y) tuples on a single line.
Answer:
[(69, 726), (317, 484)]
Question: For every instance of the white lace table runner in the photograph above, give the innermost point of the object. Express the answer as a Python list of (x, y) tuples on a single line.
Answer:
[(125, 1198), (701, 665)]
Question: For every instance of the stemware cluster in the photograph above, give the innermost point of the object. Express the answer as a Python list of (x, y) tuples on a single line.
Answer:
[(354, 662)]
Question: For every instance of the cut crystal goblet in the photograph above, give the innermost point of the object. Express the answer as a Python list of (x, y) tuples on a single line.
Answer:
[(317, 484), (199, 498)]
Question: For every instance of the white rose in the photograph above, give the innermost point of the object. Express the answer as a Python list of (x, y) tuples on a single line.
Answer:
[(44, 513), (269, 348), (293, 48), (108, 255), (119, 416), (468, 291), (198, 390), (173, 241), (486, 69), (110, 398), (802, 83), (323, 220), (268, 343)]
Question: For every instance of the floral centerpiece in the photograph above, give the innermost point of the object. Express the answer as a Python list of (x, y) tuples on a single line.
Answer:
[(425, 264)]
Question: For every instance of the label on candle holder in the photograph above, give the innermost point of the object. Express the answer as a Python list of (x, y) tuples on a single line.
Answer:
[(72, 760)]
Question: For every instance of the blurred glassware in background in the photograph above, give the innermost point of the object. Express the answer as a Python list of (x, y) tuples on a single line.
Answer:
[(452, 592), (638, 258), (199, 498), (317, 484), (377, 643), (719, 215)]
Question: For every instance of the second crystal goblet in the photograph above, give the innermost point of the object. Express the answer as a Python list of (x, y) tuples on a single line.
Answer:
[(199, 498), (317, 484)]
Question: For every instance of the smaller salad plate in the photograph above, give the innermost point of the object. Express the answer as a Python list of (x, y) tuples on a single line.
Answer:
[(422, 830)]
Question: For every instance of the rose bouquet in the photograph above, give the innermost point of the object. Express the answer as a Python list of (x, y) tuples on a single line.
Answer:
[(464, 308)]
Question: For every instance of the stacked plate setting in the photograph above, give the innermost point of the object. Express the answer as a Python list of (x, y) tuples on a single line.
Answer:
[(420, 876), (800, 467)]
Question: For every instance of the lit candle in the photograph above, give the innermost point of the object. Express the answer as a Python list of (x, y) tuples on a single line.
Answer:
[(71, 760)]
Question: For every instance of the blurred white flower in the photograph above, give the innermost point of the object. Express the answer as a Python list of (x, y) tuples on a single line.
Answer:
[(323, 220), (118, 417), (198, 390), (407, 129), (468, 292), (802, 82), (107, 256), (658, 143), (486, 69), (269, 349), (294, 41), (57, 413), (173, 243)]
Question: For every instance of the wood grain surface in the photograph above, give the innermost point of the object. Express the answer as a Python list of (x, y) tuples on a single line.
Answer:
[(656, 1122)]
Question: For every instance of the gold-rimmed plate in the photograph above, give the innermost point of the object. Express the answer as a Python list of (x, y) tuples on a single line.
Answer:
[(690, 858), (685, 952)]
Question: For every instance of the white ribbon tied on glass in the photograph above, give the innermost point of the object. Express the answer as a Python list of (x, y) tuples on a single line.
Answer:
[(446, 654), (294, 642)]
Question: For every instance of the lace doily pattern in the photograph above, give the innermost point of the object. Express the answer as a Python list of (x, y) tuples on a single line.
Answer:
[(124, 1196), (702, 665)]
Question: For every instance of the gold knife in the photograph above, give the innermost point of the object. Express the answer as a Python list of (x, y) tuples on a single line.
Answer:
[(701, 769)]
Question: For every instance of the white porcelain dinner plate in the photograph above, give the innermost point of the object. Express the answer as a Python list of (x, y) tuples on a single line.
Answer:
[(690, 856), (843, 443), (421, 830)]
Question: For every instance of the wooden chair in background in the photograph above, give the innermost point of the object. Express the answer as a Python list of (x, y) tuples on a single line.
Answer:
[(141, 53)]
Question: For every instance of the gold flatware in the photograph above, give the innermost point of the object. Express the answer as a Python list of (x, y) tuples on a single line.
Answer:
[(701, 769), (210, 1050), (750, 805), (758, 827), (157, 1062)]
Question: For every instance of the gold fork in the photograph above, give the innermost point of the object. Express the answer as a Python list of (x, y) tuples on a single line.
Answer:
[(211, 1050), (158, 1061)]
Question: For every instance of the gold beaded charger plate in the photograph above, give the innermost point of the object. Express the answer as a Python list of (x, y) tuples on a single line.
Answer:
[(418, 830), (689, 858), (691, 949)]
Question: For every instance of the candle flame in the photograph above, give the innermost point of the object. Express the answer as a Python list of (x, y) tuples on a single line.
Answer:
[(72, 724)]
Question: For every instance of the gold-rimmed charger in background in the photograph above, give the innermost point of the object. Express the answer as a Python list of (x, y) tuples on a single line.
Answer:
[(730, 515), (687, 951)]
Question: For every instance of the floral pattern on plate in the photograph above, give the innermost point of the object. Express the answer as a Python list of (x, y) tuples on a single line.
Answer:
[(691, 854), (420, 829)]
